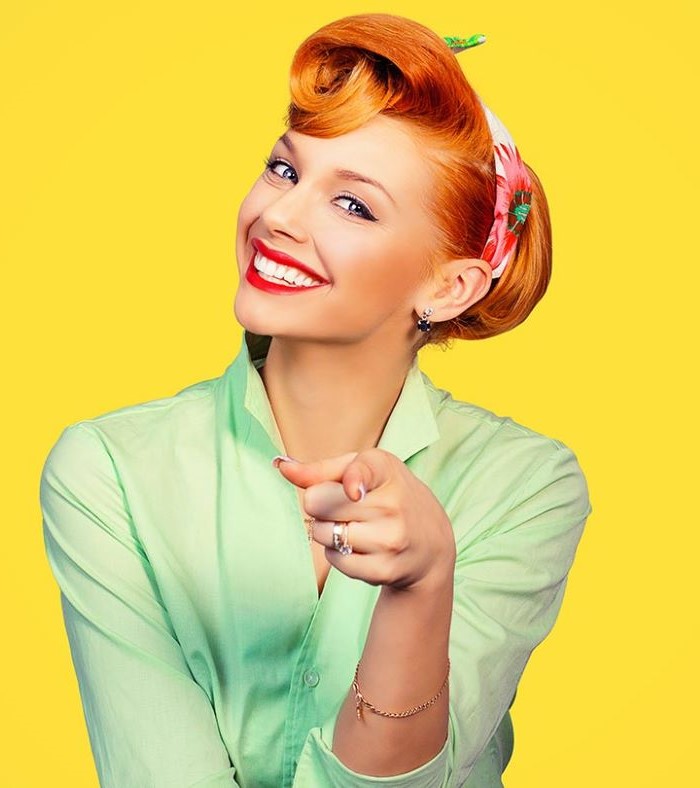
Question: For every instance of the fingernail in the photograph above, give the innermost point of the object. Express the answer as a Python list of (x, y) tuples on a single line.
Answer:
[(280, 457), (363, 492)]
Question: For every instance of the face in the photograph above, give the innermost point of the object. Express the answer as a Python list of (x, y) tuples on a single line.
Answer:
[(367, 244)]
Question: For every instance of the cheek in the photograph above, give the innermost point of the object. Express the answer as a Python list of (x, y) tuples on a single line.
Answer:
[(249, 210), (378, 280), (392, 270), (248, 213)]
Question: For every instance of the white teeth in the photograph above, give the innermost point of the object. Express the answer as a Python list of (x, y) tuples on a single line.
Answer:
[(283, 272)]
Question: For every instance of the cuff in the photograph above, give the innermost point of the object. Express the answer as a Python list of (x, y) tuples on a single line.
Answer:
[(320, 767)]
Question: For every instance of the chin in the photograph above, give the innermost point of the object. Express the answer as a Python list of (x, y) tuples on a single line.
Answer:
[(251, 317)]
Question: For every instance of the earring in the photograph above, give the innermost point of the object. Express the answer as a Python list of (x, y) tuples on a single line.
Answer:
[(423, 323)]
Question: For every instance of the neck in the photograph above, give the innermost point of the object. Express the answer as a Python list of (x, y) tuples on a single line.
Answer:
[(330, 399)]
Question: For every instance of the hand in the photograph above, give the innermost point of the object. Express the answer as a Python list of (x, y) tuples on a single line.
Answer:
[(400, 535)]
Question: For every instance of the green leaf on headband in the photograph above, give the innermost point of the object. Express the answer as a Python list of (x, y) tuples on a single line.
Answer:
[(460, 44)]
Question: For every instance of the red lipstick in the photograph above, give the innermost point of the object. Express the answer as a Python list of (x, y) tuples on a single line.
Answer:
[(252, 275), (285, 259)]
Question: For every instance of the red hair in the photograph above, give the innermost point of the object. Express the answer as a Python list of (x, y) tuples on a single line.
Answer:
[(355, 68)]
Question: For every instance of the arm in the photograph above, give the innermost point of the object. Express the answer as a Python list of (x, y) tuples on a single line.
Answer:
[(404, 664), (148, 721), (508, 588)]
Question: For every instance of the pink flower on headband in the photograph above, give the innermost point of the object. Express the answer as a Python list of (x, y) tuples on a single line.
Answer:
[(513, 199), (513, 186)]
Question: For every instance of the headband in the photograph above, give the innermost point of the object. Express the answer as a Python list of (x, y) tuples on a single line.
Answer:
[(513, 184)]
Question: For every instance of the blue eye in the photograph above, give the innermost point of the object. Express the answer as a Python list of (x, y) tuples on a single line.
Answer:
[(364, 212), (271, 166)]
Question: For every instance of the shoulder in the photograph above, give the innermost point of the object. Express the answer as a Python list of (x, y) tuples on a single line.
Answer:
[(461, 422), (498, 460), (144, 429)]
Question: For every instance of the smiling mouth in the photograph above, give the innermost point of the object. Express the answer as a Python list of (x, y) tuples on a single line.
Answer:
[(284, 274), (279, 281)]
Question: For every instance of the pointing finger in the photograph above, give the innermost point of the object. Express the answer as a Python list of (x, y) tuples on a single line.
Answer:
[(304, 474), (369, 470)]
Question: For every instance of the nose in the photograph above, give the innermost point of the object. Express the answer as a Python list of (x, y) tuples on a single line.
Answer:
[(285, 214)]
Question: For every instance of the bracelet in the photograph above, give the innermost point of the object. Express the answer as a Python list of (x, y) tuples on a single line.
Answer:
[(360, 700)]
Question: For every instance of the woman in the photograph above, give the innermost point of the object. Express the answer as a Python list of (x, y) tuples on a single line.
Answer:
[(319, 569)]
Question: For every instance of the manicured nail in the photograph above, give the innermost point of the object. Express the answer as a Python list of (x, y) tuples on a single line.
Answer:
[(363, 492), (280, 457)]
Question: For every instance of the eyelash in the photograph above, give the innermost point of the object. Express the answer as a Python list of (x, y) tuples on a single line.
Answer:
[(366, 213)]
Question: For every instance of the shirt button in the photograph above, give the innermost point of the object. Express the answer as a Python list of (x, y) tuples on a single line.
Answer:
[(311, 677)]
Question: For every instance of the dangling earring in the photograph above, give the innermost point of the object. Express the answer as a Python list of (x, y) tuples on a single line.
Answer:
[(423, 322)]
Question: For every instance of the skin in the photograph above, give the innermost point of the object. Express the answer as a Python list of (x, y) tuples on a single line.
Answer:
[(354, 338), (346, 349)]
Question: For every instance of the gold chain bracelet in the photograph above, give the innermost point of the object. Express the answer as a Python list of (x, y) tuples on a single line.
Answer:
[(360, 700)]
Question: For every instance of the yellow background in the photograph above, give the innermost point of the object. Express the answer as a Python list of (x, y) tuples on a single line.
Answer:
[(130, 132)]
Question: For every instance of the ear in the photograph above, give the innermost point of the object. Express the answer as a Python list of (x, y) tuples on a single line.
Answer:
[(457, 285)]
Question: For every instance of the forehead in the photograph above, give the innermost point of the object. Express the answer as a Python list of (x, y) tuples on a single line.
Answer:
[(383, 148)]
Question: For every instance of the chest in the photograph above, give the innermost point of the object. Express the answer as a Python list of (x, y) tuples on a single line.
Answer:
[(318, 552), (321, 566)]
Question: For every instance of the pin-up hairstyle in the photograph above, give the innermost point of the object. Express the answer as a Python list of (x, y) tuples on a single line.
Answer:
[(355, 68)]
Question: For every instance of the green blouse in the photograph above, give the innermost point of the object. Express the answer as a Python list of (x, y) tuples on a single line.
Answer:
[(203, 653)]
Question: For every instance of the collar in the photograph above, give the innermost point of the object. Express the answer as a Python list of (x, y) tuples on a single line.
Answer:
[(411, 426)]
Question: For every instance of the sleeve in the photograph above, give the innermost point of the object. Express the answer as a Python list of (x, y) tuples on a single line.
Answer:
[(149, 722), (509, 587)]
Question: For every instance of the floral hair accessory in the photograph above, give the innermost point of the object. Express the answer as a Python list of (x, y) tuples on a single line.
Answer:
[(513, 184), (460, 44)]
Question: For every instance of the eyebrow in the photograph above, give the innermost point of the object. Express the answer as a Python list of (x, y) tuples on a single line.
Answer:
[(350, 175)]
